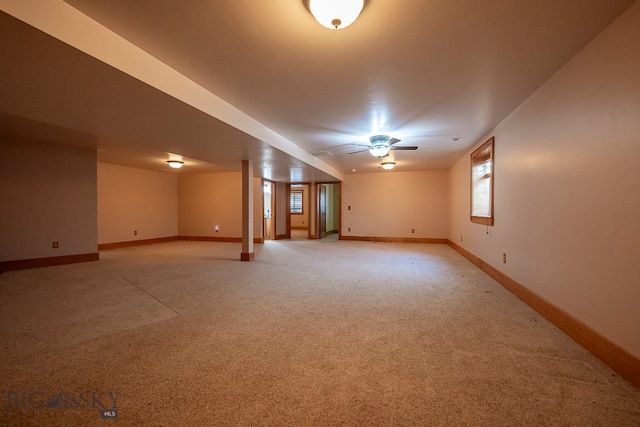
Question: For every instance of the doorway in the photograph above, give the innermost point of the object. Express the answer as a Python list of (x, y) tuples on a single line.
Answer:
[(269, 224), (313, 211), (328, 210), (299, 211)]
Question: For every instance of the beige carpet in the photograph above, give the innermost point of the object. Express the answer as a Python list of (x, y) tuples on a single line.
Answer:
[(320, 333)]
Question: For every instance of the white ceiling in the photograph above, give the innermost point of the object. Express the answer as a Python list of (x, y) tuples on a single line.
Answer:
[(424, 71)]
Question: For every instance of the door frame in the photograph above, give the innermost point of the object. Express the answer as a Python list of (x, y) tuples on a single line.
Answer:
[(337, 209)]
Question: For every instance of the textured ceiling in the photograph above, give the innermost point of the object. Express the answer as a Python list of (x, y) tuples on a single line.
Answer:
[(426, 72)]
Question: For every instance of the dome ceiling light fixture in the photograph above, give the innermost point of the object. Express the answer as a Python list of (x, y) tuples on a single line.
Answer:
[(175, 164), (335, 14), (388, 165)]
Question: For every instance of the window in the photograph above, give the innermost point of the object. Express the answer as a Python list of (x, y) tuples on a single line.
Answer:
[(296, 201), (482, 177)]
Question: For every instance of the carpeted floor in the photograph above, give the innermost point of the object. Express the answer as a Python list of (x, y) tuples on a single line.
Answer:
[(320, 333)]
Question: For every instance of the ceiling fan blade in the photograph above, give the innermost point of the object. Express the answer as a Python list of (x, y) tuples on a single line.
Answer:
[(343, 146), (361, 151), (394, 141), (404, 148)]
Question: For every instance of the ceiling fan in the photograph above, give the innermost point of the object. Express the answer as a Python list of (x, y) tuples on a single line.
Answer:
[(380, 145)]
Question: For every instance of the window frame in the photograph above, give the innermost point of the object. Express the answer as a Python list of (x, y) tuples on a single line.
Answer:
[(483, 154), (291, 204)]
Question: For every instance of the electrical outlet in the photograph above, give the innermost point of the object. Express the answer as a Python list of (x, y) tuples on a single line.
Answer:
[(135, 232), (413, 230), (55, 245), (504, 258), (217, 228), (461, 237), (349, 229)]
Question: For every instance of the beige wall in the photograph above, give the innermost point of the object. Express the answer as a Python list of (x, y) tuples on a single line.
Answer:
[(281, 208), (131, 200), (48, 193), (567, 193), (391, 204), (207, 200)]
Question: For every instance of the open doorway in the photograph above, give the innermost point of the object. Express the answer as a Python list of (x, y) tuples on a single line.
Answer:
[(328, 211), (299, 211), (314, 211), (269, 226)]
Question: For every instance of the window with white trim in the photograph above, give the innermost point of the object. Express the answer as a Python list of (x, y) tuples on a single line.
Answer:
[(296, 202)]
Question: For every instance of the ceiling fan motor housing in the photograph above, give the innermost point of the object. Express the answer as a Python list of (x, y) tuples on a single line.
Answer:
[(379, 140)]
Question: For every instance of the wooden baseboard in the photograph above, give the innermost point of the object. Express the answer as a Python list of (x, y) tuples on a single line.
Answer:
[(218, 239), (48, 261), (211, 239), (372, 238), (620, 360), (118, 245)]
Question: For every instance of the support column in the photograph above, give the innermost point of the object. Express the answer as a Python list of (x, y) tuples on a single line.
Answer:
[(247, 211)]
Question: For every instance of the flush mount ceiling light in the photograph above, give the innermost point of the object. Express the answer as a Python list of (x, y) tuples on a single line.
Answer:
[(176, 164), (335, 14), (387, 165)]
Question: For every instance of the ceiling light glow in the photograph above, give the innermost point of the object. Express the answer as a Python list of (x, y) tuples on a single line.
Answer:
[(388, 165), (379, 145), (336, 14), (175, 164), (380, 150)]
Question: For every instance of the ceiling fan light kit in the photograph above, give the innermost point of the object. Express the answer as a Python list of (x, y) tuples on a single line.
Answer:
[(379, 145), (379, 151), (335, 14)]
